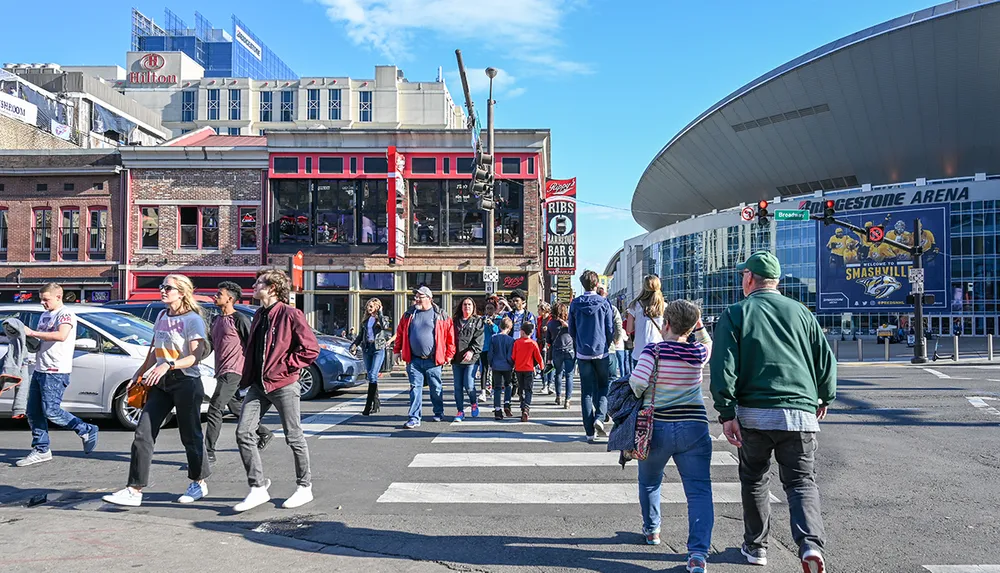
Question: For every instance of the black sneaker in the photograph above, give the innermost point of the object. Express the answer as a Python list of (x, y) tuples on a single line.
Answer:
[(263, 441), (755, 557), (211, 457), (497, 415)]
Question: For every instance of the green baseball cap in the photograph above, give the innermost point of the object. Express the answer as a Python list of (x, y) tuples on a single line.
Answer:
[(762, 263)]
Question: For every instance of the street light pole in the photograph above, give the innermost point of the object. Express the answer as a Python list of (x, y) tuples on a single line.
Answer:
[(919, 344), (490, 217)]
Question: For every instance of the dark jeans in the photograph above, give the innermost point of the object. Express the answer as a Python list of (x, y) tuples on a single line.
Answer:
[(525, 380), (503, 382), (256, 403), (374, 358), (185, 393), (594, 385), (226, 386), (465, 384), (484, 368), (45, 394), (419, 370), (795, 453), (565, 365)]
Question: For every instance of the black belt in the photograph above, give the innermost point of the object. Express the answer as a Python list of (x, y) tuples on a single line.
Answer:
[(424, 357)]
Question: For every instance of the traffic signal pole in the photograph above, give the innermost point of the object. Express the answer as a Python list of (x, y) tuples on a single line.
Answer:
[(490, 223)]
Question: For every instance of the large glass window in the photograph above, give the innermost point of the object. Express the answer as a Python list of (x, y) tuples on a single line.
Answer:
[(374, 221), (188, 217), (150, 225), (313, 104), (248, 227), (188, 104), (287, 105), (293, 210), (199, 227), (331, 314), (509, 212), (365, 106), (465, 219), (97, 246), (425, 209), (70, 235), (335, 200), (42, 244), (334, 109), (333, 281), (235, 105), (433, 281), (449, 205), (266, 103), (378, 281), (213, 105)]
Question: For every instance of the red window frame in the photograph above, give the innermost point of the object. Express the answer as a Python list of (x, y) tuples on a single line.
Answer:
[(256, 228), (107, 224), (34, 231), (201, 228), (6, 239), (159, 227), (79, 217)]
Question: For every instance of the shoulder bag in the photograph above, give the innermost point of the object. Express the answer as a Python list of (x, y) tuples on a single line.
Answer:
[(644, 420)]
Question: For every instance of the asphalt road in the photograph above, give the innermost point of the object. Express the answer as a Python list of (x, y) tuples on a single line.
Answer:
[(908, 470)]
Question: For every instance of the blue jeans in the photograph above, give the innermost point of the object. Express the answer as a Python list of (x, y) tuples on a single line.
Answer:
[(565, 366), (418, 370), (624, 363), (691, 447), (503, 384), (465, 383), (45, 405), (373, 363), (594, 385)]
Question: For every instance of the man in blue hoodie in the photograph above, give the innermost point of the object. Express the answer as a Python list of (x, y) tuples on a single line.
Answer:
[(592, 326)]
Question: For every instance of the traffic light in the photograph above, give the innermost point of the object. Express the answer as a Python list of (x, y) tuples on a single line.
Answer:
[(762, 214), (482, 178), (828, 212)]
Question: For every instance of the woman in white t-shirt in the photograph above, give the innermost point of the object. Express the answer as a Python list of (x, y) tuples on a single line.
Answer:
[(173, 378), (645, 316)]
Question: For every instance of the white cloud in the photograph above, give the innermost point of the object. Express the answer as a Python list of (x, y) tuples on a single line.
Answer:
[(479, 82), (527, 30)]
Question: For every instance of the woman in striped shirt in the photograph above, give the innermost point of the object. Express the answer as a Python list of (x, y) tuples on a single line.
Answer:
[(680, 427)]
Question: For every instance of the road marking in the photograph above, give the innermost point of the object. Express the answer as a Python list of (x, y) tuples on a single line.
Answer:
[(937, 373), (963, 568), (546, 493), (519, 437), (319, 423), (515, 421), (538, 460), (980, 402), (353, 435)]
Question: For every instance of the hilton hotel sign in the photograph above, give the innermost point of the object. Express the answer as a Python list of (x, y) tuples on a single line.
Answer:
[(154, 68)]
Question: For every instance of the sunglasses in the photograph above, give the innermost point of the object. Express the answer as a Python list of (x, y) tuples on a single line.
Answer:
[(167, 288)]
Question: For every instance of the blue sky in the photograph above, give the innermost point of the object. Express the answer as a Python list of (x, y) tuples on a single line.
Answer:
[(614, 81)]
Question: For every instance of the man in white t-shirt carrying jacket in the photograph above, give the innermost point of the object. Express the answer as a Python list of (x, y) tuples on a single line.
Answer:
[(53, 365)]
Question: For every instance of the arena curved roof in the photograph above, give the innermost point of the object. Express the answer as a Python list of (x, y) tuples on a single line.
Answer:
[(912, 97)]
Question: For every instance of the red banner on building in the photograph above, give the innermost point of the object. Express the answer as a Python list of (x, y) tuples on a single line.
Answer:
[(396, 238), (560, 226)]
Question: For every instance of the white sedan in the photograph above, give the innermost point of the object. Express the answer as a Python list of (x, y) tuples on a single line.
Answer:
[(110, 346)]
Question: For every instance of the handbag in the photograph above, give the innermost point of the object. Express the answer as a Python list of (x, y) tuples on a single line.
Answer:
[(644, 421), (136, 394)]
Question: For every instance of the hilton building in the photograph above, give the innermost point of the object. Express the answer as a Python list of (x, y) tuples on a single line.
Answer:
[(894, 124)]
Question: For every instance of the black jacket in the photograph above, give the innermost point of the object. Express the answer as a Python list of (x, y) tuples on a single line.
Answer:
[(468, 337), (381, 328)]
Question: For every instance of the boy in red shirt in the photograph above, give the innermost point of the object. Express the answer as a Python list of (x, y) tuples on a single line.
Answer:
[(526, 358)]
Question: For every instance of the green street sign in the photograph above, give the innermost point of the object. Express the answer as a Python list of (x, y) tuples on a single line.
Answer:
[(791, 215)]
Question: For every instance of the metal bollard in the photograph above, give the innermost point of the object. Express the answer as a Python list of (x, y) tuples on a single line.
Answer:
[(886, 350), (954, 340), (836, 350), (989, 347), (860, 357)]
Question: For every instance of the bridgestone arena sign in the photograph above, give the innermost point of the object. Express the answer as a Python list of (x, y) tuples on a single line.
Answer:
[(560, 226)]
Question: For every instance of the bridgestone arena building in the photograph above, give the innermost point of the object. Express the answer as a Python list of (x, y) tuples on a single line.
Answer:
[(895, 123)]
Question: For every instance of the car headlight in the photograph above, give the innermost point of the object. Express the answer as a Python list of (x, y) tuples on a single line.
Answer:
[(337, 349)]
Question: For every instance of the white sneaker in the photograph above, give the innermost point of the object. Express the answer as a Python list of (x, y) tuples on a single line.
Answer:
[(126, 496), (599, 428), (303, 495), (257, 496), (35, 457), (194, 492)]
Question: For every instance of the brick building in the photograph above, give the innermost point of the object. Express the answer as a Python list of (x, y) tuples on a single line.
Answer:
[(194, 208), (59, 214), (328, 196)]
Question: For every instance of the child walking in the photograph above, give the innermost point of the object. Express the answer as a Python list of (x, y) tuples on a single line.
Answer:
[(526, 358), (502, 364)]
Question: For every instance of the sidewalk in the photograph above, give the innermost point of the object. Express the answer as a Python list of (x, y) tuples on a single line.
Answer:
[(72, 541)]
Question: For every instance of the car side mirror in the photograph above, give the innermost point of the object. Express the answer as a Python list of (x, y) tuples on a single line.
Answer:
[(86, 344)]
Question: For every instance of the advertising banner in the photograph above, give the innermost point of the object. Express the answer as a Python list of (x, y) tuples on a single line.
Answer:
[(560, 226), (17, 108), (854, 273), (397, 192)]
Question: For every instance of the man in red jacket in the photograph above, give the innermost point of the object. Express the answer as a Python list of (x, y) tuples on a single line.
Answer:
[(425, 340), (280, 345)]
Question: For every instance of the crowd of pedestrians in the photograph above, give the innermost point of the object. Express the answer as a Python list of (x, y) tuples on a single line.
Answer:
[(773, 376)]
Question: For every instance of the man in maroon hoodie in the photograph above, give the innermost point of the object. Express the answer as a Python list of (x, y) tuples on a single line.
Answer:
[(280, 345)]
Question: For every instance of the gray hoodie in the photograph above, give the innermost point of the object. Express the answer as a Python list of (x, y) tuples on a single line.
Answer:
[(14, 364)]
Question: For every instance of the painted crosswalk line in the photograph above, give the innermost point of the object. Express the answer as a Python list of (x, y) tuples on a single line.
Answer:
[(553, 459), (318, 423), (353, 436), (963, 568), (545, 493), (983, 403), (518, 437), (516, 421)]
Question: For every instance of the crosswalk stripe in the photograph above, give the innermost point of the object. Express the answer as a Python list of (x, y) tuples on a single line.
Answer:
[(963, 568), (545, 493), (518, 437), (319, 423), (554, 421), (553, 459), (353, 436)]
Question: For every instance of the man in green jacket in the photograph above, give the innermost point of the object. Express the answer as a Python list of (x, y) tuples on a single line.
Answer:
[(773, 376)]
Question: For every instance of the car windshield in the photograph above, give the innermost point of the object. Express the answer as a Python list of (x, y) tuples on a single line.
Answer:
[(123, 326)]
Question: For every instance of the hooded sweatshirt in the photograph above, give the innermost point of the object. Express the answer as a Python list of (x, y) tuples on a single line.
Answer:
[(592, 326)]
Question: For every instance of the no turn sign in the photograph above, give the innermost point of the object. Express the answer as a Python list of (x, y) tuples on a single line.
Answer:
[(747, 214)]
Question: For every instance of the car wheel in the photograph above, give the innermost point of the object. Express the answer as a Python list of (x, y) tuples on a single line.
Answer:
[(128, 416), (310, 383)]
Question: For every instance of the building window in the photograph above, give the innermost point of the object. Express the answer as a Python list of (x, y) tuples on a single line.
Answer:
[(313, 104), (365, 106), (509, 214), (334, 109), (531, 166), (510, 165), (188, 105), (233, 131), (376, 165), (3, 234), (286, 164), (68, 186), (374, 220), (463, 165), (331, 164), (97, 247), (42, 243), (293, 211), (213, 105), (150, 225), (248, 227), (335, 202), (41, 187), (199, 227), (423, 165), (99, 186), (287, 105), (235, 103), (378, 281), (70, 235), (266, 101), (446, 213), (433, 281), (331, 212), (465, 219), (425, 205)]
